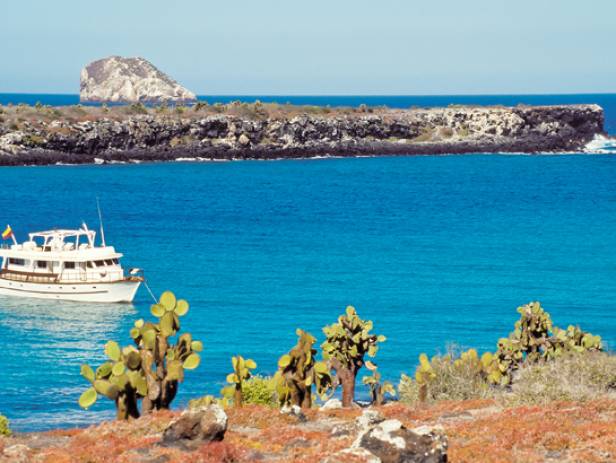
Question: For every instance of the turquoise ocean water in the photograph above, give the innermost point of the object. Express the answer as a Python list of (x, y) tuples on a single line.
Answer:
[(434, 249)]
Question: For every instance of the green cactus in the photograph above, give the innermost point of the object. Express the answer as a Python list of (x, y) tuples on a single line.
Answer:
[(573, 339), (164, 364), (298, 371), (532, 330), (5, 429), (119, 379), (377, 388), (241, 373), (149, 372), (534, 339), (348, 342), (424, 375)]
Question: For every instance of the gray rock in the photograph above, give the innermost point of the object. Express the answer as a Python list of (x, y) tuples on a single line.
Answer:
[(368, 418), (331, 404), (196, 426), (129, 80), (391, 442), (294, 410)]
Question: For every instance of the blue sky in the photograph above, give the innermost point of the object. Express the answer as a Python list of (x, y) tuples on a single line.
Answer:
[(319, 47)]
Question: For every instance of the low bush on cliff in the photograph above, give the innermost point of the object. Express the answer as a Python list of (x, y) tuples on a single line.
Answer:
[(574, 377), (521, 360), (455, 376)]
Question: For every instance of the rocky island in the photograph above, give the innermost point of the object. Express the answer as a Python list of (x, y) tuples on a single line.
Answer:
[(129, 80), (87, 134)]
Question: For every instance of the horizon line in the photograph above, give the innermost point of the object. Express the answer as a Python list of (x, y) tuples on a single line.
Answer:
[(352, 94)]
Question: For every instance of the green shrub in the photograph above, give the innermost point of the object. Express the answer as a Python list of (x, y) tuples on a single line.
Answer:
[(204, 402), (260, 390), (5, 430), (425, 135), (574, 377), (137, 108)]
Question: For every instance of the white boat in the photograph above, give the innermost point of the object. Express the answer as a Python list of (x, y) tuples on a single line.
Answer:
[(66, 265)]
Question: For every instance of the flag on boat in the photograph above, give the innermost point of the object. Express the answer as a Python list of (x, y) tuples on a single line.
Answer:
[(7, 233)]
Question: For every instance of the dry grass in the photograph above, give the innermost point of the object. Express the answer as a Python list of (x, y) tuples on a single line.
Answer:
[(573, 377), (12, 115), (452, 382)]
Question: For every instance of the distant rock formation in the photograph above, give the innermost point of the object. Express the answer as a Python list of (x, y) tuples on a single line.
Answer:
[(129, 80)]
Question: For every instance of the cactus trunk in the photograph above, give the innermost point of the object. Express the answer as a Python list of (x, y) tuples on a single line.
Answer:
[(126, 406), (347, 380), (237, 395)]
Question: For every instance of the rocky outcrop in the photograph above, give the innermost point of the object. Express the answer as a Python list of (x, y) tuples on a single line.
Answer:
[(195, 427), (129, 80), (388, 441), (155, 137)]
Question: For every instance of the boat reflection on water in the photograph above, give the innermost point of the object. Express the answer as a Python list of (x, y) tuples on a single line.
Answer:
[(43, 344), (62, 318)]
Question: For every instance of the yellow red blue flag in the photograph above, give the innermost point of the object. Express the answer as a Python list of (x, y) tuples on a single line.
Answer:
[(7, 233)]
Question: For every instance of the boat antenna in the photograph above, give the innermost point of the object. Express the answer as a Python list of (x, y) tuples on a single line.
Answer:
[(100, 220)]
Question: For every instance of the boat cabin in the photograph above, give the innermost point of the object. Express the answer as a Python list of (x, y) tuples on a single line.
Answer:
[(61, 256)]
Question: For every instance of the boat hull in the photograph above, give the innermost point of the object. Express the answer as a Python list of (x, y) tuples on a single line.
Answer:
[(106, 292)]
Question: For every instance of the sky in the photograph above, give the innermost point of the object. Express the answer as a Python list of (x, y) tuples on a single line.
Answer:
[(320, 47)]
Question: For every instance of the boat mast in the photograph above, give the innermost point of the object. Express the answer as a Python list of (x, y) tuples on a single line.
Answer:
[(100, 219)]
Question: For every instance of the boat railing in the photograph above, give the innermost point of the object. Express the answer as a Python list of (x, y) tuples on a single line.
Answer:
[(89, 277), (29, 277), (92, 277)]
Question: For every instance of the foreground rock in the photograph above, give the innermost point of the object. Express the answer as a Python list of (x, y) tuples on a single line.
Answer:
[(388, 441), (49, 136), (129, 80), (196, 426), (391, 442)]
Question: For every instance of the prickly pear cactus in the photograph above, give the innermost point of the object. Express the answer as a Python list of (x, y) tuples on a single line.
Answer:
[(164, 364), (532, 330), (241, 373), (348, 342), (298, 371), (152, 370), (533, 339), (424, 375), (573, 339), (120, 379), (378, 389), (500, 366)]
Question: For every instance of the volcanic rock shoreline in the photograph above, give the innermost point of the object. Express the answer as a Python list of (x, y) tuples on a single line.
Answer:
[(80, 135)]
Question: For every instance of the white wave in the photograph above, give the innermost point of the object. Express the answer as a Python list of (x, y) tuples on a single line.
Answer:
[(601, 145)]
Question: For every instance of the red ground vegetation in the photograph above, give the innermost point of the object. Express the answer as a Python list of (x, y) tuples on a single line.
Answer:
[(478, 431)]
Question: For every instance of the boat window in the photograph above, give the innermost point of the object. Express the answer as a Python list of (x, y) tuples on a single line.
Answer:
[(116, 261), (69, 265), (99, 263), (90, 264), (41, 264), (109, 261), (15, 261)]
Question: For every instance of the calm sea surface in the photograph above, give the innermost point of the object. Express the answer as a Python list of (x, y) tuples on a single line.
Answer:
[(434, 249)]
